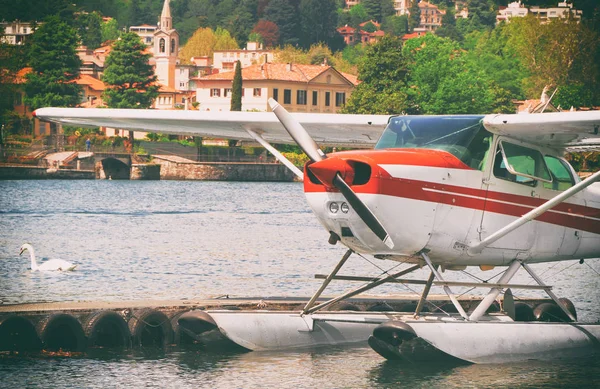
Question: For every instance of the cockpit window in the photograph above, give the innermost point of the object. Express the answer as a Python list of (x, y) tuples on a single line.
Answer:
[(520, 164), (462, 136), (561, 174)]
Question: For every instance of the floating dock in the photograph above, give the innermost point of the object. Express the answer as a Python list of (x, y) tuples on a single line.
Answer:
[(74, 327)]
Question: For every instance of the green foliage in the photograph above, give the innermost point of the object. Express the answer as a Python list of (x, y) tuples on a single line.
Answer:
[(318, 22), (110, 30), (395, 25), (377, 10), (560, 53), (492, 53), (448, 28), (36, 10), (382, 72), (442, 80), (358, 14), (55, 66), (89, 28), (415, 15), (11, 59), (129, 78), (284, 14), (482, 16), (236, 88), (297, 158), (240, 24)]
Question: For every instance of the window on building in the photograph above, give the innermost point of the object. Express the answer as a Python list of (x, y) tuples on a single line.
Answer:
[(276, 94), (315, 96), (215, 92), (287, 96), (161, 45), (340, 99), (227, 92), (172, 46), (327, 99), (256, 92), (301, 97)]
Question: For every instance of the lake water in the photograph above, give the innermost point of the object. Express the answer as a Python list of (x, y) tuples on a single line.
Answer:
[(155, 240)]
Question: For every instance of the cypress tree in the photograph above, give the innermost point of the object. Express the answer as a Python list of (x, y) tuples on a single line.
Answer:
[(236, 88)]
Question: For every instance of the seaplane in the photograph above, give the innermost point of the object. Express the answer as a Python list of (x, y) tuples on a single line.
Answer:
[(443, 193)]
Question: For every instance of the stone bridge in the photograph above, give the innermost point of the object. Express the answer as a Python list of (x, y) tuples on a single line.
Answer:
[(110, 165)]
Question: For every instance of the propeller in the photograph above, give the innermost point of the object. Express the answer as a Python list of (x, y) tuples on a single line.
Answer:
[(309, 146)]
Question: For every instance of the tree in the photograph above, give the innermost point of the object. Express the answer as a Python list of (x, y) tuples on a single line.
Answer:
[(268, 31), (204, 42), (284, 14), (382, 72), (11, 59), (240, 24), (236, 88), (395, 25), (109, 30), (55, 66), (448, 28), (224, 40), (358, 14), (318, 21), (128, 76), (90, 30), (441, 80), (378, 9), (415, 15), (560, 53)]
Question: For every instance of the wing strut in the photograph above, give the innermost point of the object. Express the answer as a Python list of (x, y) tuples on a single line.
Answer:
[(476, 249), (280, 157)]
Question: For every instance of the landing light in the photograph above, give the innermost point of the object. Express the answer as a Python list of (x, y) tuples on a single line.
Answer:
[(334, 207), (345, 208)]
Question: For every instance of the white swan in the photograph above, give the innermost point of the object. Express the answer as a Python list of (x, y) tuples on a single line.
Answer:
[(49, 265)]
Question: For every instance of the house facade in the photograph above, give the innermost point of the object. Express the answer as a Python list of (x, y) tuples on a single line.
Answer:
[(146, 32), (224, 60), (15, 33), (563, 10), (299, 88), (431, 16)]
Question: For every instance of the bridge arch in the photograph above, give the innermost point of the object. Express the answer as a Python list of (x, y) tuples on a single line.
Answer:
[(116, 169)]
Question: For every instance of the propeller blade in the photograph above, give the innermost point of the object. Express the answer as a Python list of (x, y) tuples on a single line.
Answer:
[(308, 145), (297, 132), (363, 211)]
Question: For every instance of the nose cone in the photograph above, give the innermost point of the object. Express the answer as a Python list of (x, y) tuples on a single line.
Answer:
[(327, 169)]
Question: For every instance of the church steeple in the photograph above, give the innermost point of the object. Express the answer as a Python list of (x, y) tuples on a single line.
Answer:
[(166, 47), (166, 22)]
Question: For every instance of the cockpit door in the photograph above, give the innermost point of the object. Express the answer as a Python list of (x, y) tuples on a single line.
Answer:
[(512, 173)]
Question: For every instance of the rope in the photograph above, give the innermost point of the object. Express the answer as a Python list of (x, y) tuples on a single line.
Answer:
[(594, 270)]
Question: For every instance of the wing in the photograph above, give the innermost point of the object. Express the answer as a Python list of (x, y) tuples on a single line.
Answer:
[(557, 130), (327, 129)]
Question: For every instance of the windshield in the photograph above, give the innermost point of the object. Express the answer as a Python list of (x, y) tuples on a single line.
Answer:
[(463, 136)]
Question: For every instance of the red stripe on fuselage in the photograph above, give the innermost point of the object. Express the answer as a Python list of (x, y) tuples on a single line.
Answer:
[(573, 216)]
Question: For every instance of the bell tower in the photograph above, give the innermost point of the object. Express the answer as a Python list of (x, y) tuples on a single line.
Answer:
[(166, 47)]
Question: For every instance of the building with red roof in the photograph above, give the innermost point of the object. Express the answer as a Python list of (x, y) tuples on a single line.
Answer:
[(299, 88)]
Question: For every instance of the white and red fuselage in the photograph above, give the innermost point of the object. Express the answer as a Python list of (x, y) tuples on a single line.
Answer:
[(431, 200)]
